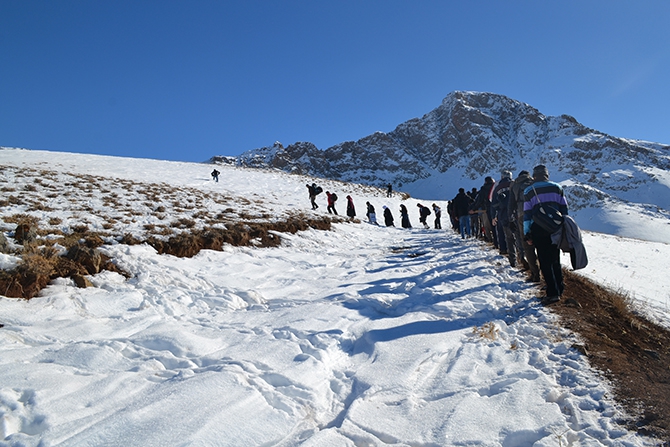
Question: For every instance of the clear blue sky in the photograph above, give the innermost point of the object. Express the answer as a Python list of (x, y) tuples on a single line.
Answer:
[(186, 80)]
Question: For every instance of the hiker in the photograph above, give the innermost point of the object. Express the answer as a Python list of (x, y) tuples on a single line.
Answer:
[(351, 209), (462, 203), (481, 207), (404, 217), (372, 217), (388, 216), (424, 212), (475, 222), (543, 193), (313, 192), (438, 216), (499, 204), (453, 218), (332, 198), (389, 190), (527, 254), (215, 175)]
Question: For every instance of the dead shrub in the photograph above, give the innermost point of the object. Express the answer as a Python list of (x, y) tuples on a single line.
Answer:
[(81, 228), (21, 218), (183, 222), (487, 331)]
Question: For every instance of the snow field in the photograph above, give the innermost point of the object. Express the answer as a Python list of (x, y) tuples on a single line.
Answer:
[(362, 335)]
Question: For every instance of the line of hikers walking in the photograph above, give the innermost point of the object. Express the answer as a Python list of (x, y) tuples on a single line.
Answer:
[(527, 220), (314, 190)]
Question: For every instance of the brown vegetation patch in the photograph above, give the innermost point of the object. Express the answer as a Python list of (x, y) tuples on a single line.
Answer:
[(628, 349), (259, 234), (41, 264)]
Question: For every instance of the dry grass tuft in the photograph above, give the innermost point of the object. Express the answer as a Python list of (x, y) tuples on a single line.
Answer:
[(488, 331)]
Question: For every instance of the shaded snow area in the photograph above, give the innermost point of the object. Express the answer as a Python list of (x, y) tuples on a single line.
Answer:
[(359, 336)]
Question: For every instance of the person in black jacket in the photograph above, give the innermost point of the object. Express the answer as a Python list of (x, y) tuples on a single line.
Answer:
[(388, 216), (527, 254), (499, 205), (482, 208), (461, 204), (404, 217), (424, 212), (372, 216)]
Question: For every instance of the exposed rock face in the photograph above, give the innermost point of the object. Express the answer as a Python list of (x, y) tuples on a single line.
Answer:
[(478, 134)]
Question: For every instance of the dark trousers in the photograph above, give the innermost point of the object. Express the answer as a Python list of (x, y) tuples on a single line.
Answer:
[(550, 260)]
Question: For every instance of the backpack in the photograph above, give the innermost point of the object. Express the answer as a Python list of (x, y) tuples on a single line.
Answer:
[(318, 190), (333, 196)]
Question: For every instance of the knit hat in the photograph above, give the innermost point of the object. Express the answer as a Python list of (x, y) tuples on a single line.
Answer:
[(540, 171), (506, 174)]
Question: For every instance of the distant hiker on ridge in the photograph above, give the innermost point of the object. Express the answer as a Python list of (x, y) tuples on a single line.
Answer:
[(404, 217), (388, 216), (438, 216), (332, 198), (372, 216), (313, 192), (424, 212), (215, 175), (389, 190), (351, 209)]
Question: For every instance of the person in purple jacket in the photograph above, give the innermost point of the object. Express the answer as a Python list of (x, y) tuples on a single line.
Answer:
[(546, 193)]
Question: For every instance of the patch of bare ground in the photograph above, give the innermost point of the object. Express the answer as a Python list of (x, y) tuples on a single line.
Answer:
[(41, 263), (628, 349)]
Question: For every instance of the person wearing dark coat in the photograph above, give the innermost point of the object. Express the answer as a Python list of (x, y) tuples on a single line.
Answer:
[(475, 223), (424, 212), (461, 204), (215, 175), (482, 208), (404, 217), (313, 191), (544, 193), (351, 209), (372, 216), (388, 216), (499, 204), (438, 216), (515, 210)]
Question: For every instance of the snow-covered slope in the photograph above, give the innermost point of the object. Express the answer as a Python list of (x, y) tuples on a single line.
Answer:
[(472, 135), (362, 335)]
